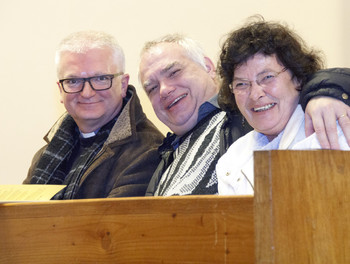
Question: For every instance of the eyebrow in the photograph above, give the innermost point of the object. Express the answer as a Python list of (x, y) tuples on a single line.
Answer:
[(162, 72), (168, 67), (146, 84), (73, 76), (246, 79)]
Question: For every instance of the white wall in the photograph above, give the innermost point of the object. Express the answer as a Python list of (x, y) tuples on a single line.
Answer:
[(31, 30)]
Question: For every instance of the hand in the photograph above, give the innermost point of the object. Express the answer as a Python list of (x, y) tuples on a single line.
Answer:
[(321, 114)]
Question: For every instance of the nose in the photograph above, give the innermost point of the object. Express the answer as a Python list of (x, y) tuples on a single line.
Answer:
[(256, 91), (165, 90), (87, 90)]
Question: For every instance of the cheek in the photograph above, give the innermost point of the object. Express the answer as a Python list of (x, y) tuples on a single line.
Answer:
[(155, 102), (62, 96), (241, 102), (118, 91), (67, 99), (291, 96)]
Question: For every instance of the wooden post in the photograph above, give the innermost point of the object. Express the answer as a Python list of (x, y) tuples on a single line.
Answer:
[(302, 207)]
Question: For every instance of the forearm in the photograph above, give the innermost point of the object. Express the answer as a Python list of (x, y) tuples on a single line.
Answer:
[(333, 82)]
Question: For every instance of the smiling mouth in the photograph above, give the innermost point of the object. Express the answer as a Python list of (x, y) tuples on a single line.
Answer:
[(176, 101), (264, 108), (87, 103)]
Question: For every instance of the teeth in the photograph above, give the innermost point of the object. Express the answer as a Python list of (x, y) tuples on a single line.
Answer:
[(263, 108), (176, 100)]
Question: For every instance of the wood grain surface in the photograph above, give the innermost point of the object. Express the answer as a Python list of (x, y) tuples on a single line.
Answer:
[(188, 229), (302, 207)]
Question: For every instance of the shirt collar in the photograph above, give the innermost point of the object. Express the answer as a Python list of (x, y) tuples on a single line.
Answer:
[(208, 107)]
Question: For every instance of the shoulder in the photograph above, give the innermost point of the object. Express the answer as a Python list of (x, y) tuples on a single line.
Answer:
[(239, 148)]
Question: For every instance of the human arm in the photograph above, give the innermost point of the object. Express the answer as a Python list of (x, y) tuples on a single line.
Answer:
[(325, 99), (136, 177)]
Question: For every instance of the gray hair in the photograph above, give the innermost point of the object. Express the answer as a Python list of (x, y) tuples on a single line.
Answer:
[(83, 41), (192, 47)]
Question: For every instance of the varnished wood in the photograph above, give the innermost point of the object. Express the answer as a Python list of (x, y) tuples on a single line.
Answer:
[(190, 229), (302, 215), (302, 207)]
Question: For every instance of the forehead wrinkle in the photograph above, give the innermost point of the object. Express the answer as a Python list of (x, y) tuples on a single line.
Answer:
[(166, 69)]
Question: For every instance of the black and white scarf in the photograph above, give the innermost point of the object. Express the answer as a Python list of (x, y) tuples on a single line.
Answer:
[(192, 170)]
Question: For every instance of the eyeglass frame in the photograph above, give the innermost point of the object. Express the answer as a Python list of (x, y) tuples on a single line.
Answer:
[(258, 83), (60, 82)]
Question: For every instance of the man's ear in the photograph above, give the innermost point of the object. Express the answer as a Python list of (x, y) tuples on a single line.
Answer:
[(210, 67), (124, 83), (61, 92)]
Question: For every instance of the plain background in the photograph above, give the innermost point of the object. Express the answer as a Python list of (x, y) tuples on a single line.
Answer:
[(31, 30)]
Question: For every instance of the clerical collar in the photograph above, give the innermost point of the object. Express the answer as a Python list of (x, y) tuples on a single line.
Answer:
[(88, 135)]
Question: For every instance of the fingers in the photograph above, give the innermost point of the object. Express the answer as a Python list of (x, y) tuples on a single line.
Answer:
[(309, 127), (324, 113), (314, 121), (343, 115), (320, 128), (330, 124), (344, 123)]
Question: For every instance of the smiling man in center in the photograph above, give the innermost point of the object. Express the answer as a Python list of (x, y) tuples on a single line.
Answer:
[(182, 87)]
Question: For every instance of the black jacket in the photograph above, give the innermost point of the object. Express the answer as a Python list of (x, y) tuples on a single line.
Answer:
[(334, 82)]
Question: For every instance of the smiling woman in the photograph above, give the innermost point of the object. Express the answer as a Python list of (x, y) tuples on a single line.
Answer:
[(264, 66), (268, 103)]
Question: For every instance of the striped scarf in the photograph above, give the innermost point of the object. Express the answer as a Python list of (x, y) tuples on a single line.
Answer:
[(67, 157), (193, 168)]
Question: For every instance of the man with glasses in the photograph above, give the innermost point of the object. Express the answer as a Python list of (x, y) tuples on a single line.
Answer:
[(104, 146)]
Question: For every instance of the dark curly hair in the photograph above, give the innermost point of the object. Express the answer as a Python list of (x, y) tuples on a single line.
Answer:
[(267, 38)]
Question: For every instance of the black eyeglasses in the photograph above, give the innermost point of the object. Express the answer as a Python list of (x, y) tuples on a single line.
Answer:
[(97, 83)]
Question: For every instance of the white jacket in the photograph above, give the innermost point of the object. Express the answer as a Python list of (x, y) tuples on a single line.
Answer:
[(235, 169)]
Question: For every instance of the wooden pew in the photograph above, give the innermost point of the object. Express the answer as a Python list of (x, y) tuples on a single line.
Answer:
[(301, 215), (192, 229), (302, 207)]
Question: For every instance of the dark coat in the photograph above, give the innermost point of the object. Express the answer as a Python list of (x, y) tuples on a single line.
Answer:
[(334, 82), (127, 160)]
